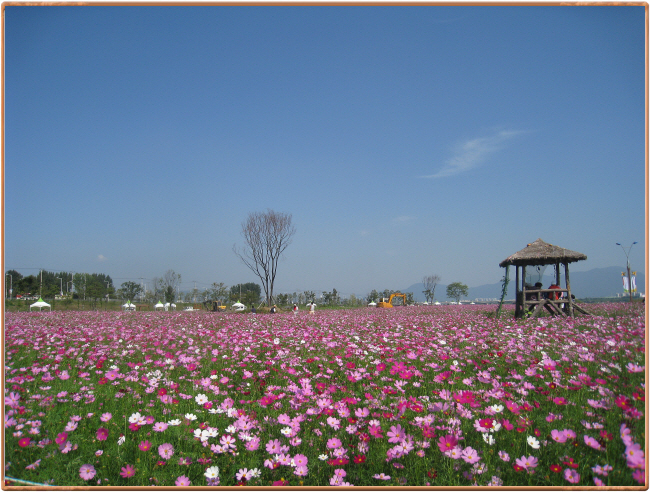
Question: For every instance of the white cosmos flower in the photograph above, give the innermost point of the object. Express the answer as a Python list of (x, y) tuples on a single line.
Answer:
[(231, 429), (197, 433), (286, 431), (201, 399), (323, 457), (212, 472), (497, 408), (276, 341), (174, 422), (190, 416), (134, 418), (121, 440), (488, 439), (533, 442)]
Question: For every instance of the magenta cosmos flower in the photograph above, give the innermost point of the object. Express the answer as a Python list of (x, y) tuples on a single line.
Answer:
[(61, 438), (127, 471), (86, 472), (144, 446), (102, 434), (447, 443)]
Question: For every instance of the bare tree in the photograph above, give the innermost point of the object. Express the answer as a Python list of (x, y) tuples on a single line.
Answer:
[(430, 282), (266, 236)]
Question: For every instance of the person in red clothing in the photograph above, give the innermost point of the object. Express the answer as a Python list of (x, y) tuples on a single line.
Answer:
[(554, 296)]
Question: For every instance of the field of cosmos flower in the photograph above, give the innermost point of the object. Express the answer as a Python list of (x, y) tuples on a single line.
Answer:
[(411, 396)]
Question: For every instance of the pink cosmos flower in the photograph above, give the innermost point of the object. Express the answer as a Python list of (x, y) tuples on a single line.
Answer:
[(244, 474), (571, 475), (166, 451), (106, 417), (160, 426), (375, 431), (127, 471), (558, 436), (527, 462), (592, 443), (61, 438), (102, 434), (34, 465), (86, 472), (284, 419), (634, 455), (470, 455), (396, 434), (300, 460), (333, 443), (273, 446), (182, 481)]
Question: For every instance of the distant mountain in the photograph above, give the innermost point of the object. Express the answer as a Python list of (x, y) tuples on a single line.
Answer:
[(598, 282)]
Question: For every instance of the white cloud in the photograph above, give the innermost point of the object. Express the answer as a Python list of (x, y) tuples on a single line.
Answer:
[(471, 153), (101, 258), (403, 218)]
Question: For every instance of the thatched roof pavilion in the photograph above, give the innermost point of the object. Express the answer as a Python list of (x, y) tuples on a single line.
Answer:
[(555, 300), (541, 253)]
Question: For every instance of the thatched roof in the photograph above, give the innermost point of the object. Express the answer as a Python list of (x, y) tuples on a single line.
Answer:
[(541, 253)]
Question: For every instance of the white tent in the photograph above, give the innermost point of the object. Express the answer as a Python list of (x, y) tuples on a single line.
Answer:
[(129, 306), (238, 306), (372, 304), (159, 306), (167, 306), (40, 304)]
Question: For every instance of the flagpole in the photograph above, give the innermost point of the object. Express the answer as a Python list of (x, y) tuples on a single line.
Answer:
[(629, 276)]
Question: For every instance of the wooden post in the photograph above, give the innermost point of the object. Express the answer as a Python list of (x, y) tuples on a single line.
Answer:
[(523, 290), (568, 288), (517, 310), (557, 274)]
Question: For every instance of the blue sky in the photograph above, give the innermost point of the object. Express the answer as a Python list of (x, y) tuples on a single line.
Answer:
[(404, 140)]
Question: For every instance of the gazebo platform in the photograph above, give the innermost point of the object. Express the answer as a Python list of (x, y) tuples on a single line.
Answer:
[(557, 301)]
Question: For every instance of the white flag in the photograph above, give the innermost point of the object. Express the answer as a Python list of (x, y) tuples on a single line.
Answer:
[(625, 284), (633, 283)]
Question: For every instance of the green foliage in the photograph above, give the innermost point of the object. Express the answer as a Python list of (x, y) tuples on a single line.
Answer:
[(457, 290), (129, 291), (250, 291)]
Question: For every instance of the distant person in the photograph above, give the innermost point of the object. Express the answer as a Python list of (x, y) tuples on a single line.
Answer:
[(295, 309), (274, 309), (312, 308), (253, 310)]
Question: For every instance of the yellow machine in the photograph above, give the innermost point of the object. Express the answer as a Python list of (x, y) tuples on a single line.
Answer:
[(389, 304)]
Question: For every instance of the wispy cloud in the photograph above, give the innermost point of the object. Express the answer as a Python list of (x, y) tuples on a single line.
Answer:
[(471, 153), (403, 218), (101, 258)]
